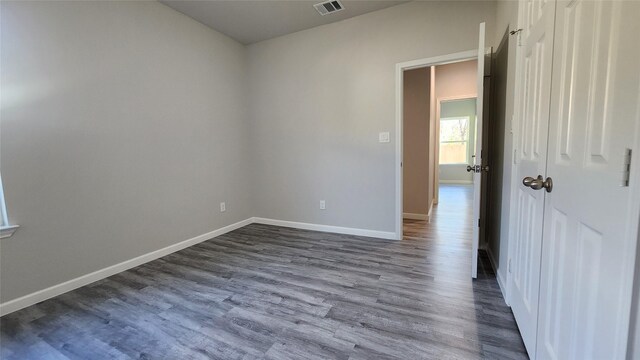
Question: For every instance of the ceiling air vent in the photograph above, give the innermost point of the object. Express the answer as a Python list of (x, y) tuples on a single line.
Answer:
[(328, 7)]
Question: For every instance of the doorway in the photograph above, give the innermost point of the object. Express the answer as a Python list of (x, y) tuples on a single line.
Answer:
[(455, 126), (481, 71), (439, 138), (416, 79)]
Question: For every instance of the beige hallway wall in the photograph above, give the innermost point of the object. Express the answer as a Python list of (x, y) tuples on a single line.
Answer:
[(417, 180)]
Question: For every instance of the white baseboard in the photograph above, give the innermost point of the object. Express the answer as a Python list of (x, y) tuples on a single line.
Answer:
[(413, 216), (41, 295), (327, 228), (501, 284), (503, 287), (459, 182)]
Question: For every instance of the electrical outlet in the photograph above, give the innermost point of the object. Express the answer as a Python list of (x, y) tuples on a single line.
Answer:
[(323, 205), (223, 207)]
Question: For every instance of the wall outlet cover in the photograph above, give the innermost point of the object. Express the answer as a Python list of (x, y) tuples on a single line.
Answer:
[(383, 137)]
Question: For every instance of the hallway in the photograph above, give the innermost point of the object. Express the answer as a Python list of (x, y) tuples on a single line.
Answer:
[(446, 240), (448, 236)]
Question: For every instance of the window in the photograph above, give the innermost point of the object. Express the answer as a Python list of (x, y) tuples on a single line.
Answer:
[(454, 140), (6, 230), (4, 221)]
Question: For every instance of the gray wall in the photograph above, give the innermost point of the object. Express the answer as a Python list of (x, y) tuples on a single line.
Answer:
[(124, 124), (123, 127), (319, 98), (417, 181)]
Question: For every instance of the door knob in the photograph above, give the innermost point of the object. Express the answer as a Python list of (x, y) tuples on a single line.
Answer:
[(548, 184), (477, 168), (527, 181), (538, 183)]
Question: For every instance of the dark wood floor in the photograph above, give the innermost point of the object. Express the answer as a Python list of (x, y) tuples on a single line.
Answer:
[(277, 293)]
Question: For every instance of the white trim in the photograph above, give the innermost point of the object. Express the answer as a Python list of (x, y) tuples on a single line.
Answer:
[(503, 288), (457, 97), (44, 294), (327, 228), (456, 182), (439, 60), (515, 130), (413, 216), (7, 231), (501, 283), (400, 68), (435, 136), (477, 177), (630, 303)]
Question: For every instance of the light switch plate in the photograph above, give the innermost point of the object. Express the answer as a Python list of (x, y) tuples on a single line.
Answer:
[(383, 137)]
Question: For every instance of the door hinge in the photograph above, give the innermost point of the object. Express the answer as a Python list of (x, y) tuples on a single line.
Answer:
[(626, 168), (517, 32), (478, 222), (509, 266)]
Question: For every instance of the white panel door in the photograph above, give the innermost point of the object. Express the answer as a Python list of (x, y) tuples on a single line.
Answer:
[(477, 176), (589, 239), (534, 79)]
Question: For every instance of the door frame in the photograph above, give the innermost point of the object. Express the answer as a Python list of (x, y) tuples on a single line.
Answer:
[(633, 231), (400, 68), (514, 123)]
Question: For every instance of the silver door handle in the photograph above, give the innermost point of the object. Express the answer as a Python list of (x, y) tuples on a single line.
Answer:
[(477, 168), (527, 181), (538, 183)]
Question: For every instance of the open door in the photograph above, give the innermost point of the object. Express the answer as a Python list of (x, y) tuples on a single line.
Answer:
[(476, 167)]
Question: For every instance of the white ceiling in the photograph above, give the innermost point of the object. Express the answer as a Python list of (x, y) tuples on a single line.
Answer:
[(250, 21)]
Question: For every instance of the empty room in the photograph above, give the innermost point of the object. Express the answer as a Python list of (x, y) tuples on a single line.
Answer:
[(342, 179)]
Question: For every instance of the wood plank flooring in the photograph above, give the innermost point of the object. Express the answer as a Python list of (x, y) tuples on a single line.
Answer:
[(266, 292)]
